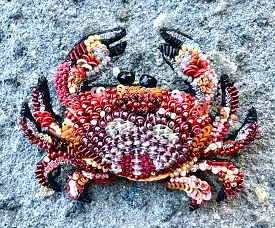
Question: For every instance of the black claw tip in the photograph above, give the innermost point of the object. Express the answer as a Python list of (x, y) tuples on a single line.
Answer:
[(173, 37), (118, 49), (221, 195), (168, 50), (193, 207), (25, 110), (53, 184), (42, 80), (225, 81), (42, 86), (55, 187), (112, 35), (85, 198), (252, 116)]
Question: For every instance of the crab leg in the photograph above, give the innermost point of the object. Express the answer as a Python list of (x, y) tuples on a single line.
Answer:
[(78, 180), (230, 95), (32, 129), (51, 162), (243, 136), (236, 141), (198, 190), (230, 175), (43, 112), (229, 105)]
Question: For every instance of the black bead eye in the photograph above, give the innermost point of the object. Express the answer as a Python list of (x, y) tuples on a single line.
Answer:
[(148, 81), (126, 77)]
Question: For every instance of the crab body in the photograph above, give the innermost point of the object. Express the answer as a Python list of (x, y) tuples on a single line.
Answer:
[(140, 133)]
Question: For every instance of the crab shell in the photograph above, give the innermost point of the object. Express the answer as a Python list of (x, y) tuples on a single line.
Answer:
[(137, 132)]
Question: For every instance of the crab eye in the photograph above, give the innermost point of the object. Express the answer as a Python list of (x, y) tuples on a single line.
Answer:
[(148, 81), (126, 77)]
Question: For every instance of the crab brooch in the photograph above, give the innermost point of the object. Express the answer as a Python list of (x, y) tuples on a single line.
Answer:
[(138, 131)]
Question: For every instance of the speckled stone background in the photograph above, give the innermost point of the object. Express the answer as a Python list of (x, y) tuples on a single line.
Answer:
[(238, 35)]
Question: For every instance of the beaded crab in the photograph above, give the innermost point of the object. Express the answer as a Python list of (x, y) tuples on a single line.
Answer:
[(140, 132)]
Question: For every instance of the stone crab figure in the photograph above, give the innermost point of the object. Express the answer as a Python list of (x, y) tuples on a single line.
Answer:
[(138, 131)]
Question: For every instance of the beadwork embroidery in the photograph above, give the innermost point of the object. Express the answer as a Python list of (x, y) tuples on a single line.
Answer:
[(140, 132)]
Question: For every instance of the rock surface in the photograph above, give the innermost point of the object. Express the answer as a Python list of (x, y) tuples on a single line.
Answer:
[(36, 35)]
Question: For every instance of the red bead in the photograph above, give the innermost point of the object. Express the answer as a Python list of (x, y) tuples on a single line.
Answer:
[(241, 174), (227, 152), (150, 105), (130, 103), (164, 105), (60, 153), (136, 105), (54, 155), (165, 98), (237, 179), (143, 104), (241, 146), (164, 92)]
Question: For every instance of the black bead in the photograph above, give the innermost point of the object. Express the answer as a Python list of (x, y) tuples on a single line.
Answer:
[(148, 81), (126, 78)]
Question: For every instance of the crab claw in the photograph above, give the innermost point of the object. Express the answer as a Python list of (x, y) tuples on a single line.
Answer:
[(183, 55), (174, 41), (32, 129), (52, 183), (89, 59), (110, 37), (26, 116), (248, 131), (173, 37), (107, 38)]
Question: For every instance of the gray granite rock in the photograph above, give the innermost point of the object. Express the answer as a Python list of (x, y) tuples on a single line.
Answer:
[(35, 36)]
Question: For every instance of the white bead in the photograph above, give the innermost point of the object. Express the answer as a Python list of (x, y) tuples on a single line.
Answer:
[(73, 188), (100, 90), (161, 111), (146, 144), (208, 196), (102, 114), (235, 171), (203, 166), (46, 159), (215, 170), (93, 122), (219, 144), (137, 173), (173, 115), (81, 61), (116, 71), (72, 90), (87, 66), (213, 146)]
